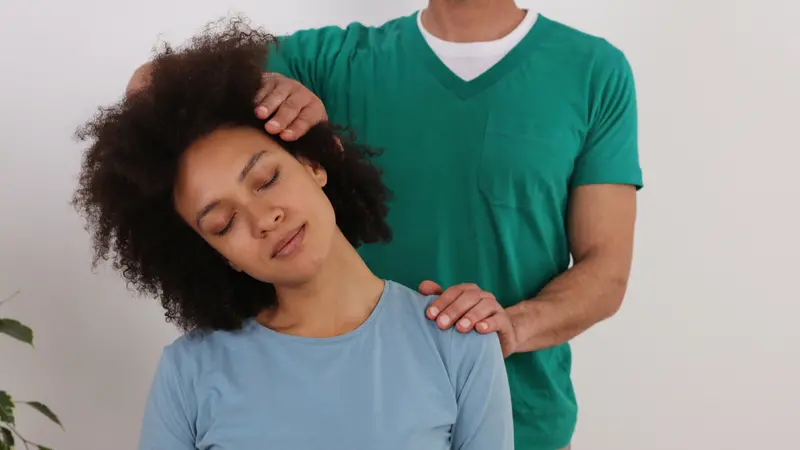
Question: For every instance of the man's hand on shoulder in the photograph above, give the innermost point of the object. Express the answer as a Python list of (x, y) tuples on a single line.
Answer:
[(293, 107), (469, 307)]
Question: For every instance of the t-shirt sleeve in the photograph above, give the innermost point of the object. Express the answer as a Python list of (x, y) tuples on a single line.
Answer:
[(317, 57), (167, 422), (610, 154), (484, 419)]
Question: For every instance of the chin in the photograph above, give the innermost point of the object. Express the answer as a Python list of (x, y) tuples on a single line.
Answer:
[(297, 271)]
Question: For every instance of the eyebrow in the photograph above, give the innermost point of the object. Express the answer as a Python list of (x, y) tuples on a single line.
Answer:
[(242, 175), (204, 212), (250, 164)]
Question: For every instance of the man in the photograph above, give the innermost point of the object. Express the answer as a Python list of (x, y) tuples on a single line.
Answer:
[(510, 142)]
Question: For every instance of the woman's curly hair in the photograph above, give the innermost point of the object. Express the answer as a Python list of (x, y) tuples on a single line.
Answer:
[(125, 190)]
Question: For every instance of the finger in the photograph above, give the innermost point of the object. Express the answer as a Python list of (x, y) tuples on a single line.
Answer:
[(446, 298), (492, 324), (287, 112), (307, 118), (268, 83), (296, 129), (429, 287), (486, 307), (272, 103), (456, 310)]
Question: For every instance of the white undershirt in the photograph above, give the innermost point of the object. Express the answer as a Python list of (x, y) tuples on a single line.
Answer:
[(469, 60)]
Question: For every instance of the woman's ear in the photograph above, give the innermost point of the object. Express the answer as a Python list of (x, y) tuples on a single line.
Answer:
[(315, 169), (339, 143), (319, 174)]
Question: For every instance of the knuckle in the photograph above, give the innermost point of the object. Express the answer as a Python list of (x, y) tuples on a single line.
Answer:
[(449, 295), (268, 81), (445, 303), (270, 75), (440, 303), (292, 103), (486, 295), (485, 313), (281, 90), (462, 306), (317, 102), (313, 113), (274, 99), (490, 306), (300, 125), (284, 116)]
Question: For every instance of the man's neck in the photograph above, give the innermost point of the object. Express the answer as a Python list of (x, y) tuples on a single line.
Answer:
[(339, 299), (471, 20)]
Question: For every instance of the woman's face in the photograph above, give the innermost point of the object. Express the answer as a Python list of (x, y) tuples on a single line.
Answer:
[(257, 205)]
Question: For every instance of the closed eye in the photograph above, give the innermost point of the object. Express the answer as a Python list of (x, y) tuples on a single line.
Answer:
[(271, 181), (227, 227)]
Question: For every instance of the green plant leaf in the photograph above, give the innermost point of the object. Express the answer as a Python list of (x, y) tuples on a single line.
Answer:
[(16, 330), (6, 439), (6, 408), (42, 408), (42, 447)]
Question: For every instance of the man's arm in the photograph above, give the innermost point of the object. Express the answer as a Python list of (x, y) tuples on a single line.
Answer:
[(312, 56), (601, 231), (602, 213)]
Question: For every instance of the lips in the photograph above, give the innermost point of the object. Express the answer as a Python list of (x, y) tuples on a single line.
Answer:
[(286, 246)]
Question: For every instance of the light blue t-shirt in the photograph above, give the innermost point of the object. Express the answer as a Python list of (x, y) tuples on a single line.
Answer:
[(397, 382)]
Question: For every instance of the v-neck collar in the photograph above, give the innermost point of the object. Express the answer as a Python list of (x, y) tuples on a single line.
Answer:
[(416, 44)]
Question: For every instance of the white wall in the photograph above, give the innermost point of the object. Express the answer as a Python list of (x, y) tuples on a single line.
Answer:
[(703, 354)]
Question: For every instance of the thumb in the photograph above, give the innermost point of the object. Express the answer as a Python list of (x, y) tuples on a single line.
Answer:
[(428, 287)]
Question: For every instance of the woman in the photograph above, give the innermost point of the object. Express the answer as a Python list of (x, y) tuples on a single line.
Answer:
[(249, 243)]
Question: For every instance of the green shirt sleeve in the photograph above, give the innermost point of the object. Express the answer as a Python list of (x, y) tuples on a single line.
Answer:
[(317, 57), (610, 154)]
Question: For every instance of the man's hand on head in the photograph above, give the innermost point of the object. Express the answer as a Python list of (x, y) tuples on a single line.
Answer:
[(469, 307), (293, 107)]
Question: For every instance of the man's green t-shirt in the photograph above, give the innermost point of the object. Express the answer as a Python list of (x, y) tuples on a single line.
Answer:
[(481, 170)]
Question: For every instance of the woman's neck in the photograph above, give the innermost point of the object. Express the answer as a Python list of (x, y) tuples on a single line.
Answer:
[(338, 300)]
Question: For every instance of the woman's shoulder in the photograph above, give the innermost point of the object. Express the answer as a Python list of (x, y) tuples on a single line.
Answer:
[(410, 306), (408, 298), (195, 349)]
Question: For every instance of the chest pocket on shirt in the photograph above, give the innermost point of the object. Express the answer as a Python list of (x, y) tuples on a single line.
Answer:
[(522, 162)]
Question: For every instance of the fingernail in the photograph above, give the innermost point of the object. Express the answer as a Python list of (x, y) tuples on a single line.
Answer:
[(444, 320), (288, 132), (274, 123), (483, 326), (434, 311), (465, 323), (262, 110)]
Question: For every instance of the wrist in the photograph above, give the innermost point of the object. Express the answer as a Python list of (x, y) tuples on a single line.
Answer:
[(522, 318)]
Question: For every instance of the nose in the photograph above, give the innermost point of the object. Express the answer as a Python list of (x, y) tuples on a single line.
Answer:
[(265, 220)]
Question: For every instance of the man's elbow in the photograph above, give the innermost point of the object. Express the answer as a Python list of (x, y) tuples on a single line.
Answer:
[(616, 286), (610, 272)]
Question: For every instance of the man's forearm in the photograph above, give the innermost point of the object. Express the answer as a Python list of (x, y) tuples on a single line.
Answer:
[(589, 292)]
